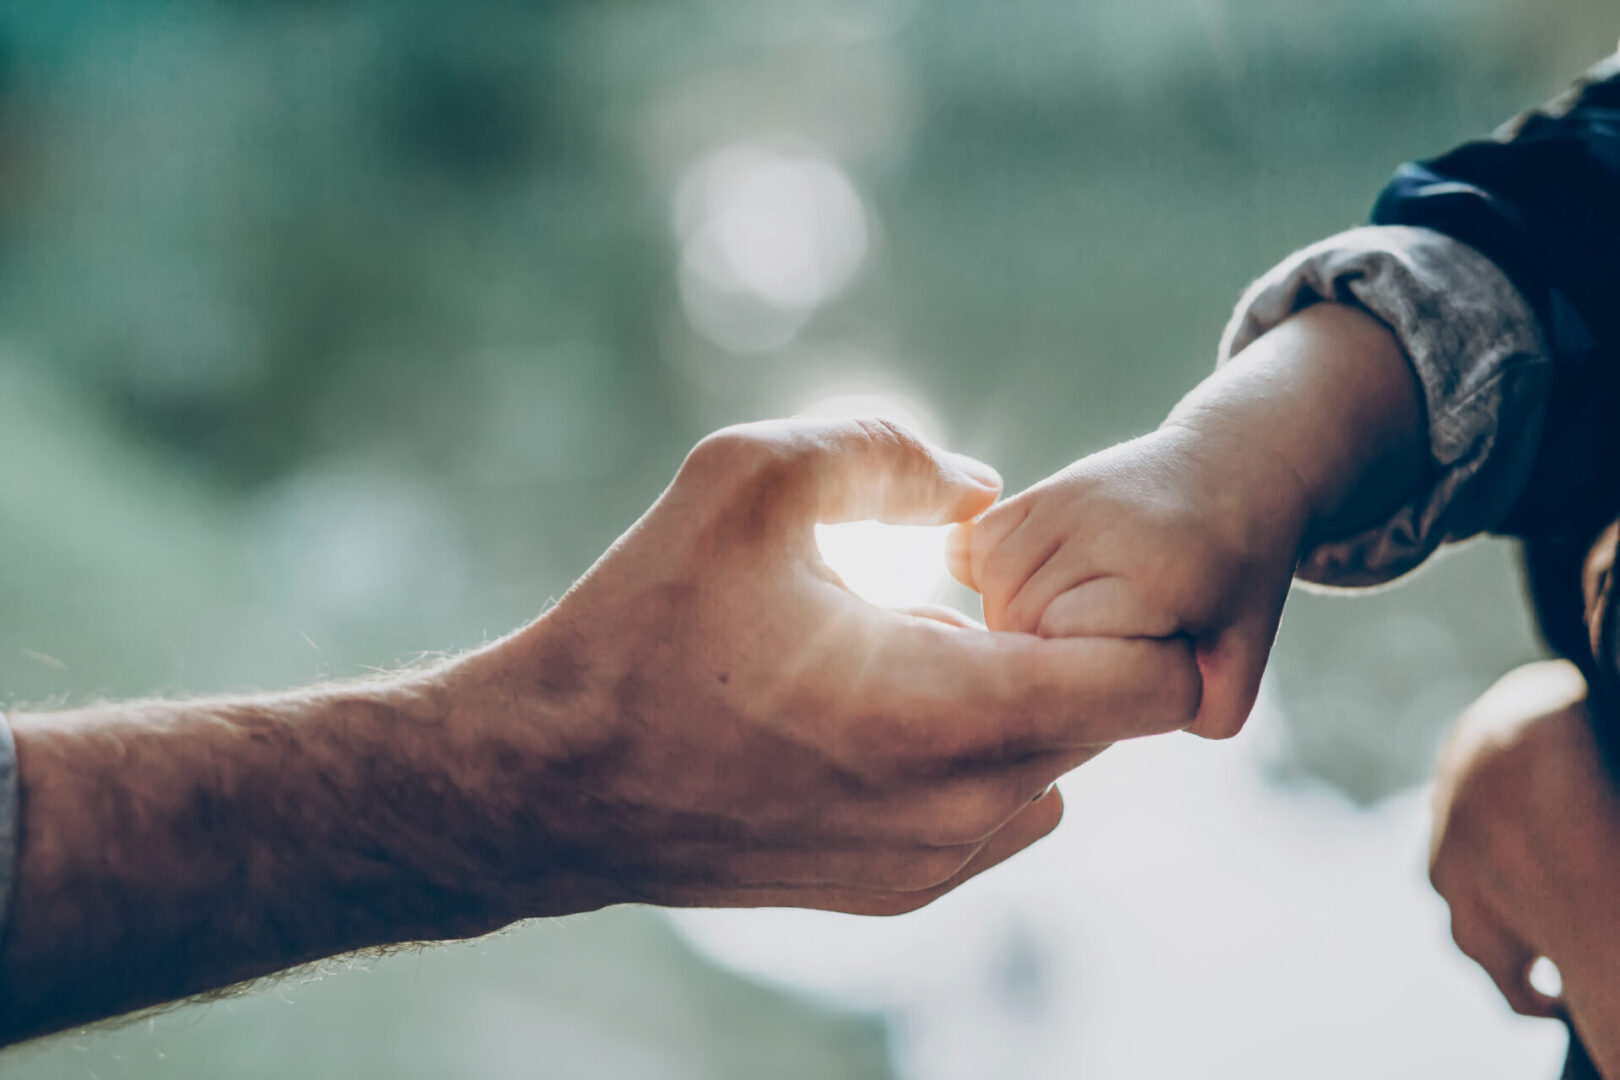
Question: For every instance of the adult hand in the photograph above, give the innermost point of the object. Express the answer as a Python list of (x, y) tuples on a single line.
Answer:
[(1526, 850), (708, 718), (711, 718)]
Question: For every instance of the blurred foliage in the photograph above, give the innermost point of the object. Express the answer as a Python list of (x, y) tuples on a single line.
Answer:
[(333, 331)]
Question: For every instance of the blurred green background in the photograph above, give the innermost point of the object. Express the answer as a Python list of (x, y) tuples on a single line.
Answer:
[(333, 332)]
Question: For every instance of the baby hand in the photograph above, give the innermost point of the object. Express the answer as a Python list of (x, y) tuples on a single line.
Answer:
[(1180, 532)]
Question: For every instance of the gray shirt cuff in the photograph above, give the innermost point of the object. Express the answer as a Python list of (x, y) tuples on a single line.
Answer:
[(1478, 353), (10, 812)]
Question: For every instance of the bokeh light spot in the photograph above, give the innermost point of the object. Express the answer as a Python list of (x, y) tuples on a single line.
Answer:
[(767, 236)]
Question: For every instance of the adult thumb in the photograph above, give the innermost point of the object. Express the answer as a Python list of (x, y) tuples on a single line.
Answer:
[(878, 469)]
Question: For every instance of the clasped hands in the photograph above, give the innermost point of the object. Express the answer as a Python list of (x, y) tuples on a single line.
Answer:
[(710, 718), (719, 722)]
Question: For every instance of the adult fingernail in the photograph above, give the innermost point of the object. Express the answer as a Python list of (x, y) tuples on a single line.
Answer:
[(977, 471)]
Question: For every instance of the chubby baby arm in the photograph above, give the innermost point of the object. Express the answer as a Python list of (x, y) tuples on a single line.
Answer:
[(1195, 529)]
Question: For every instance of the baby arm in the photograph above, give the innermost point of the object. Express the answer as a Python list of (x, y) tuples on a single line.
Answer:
[(1315, 430)]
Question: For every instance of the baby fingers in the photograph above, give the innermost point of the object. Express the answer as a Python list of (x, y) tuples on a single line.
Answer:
[(1102, 607)]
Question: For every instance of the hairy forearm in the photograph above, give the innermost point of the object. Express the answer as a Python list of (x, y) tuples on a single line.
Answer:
[(1330, 396), (171, 848)]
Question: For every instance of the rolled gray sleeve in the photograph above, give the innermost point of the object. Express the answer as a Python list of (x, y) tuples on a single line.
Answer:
[(9, 815), (1480, 359)]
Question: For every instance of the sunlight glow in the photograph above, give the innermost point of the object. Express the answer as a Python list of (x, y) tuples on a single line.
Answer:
[(889, 565)]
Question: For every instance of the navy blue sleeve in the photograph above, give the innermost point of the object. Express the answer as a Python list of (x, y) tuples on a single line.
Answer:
[(1542, 201)]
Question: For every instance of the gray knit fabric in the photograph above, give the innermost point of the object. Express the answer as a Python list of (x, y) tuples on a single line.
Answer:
[(1478, 353)]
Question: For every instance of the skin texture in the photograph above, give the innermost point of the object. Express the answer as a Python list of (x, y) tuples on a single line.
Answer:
[(1526, 850), (1195, 530), (707, 718)]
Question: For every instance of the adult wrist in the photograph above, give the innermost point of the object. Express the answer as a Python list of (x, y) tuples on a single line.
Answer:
[(416, 860), (523, 745)]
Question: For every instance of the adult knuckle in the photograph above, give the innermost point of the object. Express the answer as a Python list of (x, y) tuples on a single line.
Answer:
[(764, 462), (730, 450)]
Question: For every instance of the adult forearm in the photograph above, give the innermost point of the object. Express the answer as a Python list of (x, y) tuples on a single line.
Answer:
[(170, 848)]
